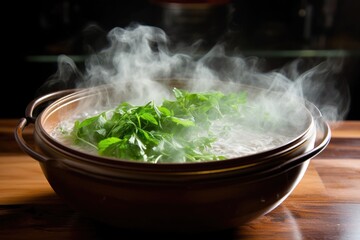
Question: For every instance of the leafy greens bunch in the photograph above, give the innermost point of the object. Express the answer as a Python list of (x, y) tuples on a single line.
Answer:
[(175, 131)]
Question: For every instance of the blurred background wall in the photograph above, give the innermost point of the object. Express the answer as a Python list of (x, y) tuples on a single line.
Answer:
[(35, 33)]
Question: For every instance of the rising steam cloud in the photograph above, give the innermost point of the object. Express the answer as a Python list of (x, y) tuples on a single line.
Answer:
[(139, 55)]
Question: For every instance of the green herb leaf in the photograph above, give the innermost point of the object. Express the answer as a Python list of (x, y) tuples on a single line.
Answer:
[(175, 131)]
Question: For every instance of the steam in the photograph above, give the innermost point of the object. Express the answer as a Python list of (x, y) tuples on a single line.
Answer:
[(139, 55)]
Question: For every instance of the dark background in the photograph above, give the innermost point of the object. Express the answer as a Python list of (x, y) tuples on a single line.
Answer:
[(266, 29)]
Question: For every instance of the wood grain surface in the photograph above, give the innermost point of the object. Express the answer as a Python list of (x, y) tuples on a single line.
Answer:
[(325, 205)]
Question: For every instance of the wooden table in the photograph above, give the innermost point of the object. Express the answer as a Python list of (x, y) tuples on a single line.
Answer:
[(325, 205)]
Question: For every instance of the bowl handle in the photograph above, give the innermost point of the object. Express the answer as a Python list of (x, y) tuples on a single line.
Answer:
[(24, 145), (30, 117), (36, 103), (319, 146)]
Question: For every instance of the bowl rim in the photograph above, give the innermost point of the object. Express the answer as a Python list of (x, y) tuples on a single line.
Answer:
[(245, 161)]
